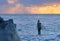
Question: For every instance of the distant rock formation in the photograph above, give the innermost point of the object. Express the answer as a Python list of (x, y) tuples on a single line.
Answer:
[(8, 30)]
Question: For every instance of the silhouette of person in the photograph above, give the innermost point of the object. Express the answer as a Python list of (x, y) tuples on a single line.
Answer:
[(39, 27)]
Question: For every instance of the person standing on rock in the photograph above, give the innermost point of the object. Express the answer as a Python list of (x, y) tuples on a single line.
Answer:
[(39, 27)]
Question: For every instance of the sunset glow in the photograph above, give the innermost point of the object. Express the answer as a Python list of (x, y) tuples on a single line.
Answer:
[(11, 1), (47, 9), (18, 8), (30, 7)]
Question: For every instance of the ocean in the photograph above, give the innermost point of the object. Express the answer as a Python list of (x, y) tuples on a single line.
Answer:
[(27, 26)]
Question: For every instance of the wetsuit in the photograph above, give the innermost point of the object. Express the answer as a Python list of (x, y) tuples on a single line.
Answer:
[(39, 27)]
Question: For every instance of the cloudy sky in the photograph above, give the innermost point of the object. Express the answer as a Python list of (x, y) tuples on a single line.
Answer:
[(29, 6)]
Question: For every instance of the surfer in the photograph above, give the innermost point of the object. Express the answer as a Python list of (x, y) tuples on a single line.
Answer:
[(39, 27)]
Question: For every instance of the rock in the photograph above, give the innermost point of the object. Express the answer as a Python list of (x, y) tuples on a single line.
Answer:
[(19, 29), (8, 30), (58, 36), (46, 40), (1, 20), (2, 23)]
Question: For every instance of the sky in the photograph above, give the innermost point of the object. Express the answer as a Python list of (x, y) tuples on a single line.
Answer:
[(29, 6)]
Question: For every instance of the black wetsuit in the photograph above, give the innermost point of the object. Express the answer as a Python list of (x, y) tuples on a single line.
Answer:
[(39, 27)]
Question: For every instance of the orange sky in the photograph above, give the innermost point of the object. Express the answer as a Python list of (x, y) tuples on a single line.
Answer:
[(45, 9), (50, 8)]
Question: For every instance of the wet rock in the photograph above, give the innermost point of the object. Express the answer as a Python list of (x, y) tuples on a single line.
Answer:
[(19, 29), (8, 30), (58, 36), (46, 40)]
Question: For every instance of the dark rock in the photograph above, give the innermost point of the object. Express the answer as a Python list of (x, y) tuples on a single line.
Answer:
[(2, 23), (58, 36), (11, 20), (8, 30), (46, 40), (1, 20), (19, 29)]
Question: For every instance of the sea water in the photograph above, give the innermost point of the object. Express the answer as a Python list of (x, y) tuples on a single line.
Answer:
[(27, 26)]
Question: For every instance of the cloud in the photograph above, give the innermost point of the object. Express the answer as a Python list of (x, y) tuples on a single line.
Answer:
[(18, 8), (33, 9), (11, 1), (3, 2), (37, 2), (45, 9), (14, 7)]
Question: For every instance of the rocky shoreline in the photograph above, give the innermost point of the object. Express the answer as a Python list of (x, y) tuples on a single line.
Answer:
[(8, 30)]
